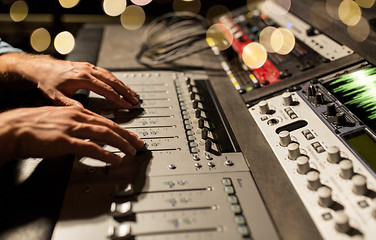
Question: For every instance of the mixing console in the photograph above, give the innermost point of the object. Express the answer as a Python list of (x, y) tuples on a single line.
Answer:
[(190, 181)]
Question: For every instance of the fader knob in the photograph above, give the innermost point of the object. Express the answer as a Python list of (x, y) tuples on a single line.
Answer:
[(341, 222), (284, 138), (347, 170), (293, 150), (198, 113), (204, 133), (359, 184), (302, 163), (208, 145), (188, 80), (287, 98), (334, 154), (201, 122), (325, 196), (331, 109), (313, 180), (264, 107)]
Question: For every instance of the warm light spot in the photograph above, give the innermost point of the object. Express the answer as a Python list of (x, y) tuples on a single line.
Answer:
[(220, 36), (288, 41), (318, 15), (64, 42), (365, 3), (19, 11), (278, 7), (114, 7), (271, 38), (186, 8), (68, 3), (133, 17), (360, 31), (349, 12), (40, 39), (254, 55), (141, 2), (215, 12), (332, 8)]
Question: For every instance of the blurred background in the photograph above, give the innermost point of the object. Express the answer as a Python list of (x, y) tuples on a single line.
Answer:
[(49, 26)]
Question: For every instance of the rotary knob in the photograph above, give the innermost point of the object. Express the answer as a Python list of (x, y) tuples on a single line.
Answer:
[(319, 98), (359, 184), (334, 154), (347, 170), (331, 109), (311, 91), (313, 180), (264, 107), (341, 119), (293, 151), (287, 98), (302, 163), (341, 222), (284, 138), (325, 196)]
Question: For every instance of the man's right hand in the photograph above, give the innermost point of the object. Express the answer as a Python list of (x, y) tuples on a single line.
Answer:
[(57, 131)]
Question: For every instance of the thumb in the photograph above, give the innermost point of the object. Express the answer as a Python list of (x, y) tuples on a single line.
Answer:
[(63, 100)]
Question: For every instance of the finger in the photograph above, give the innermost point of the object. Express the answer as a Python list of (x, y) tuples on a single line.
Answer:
[(93, 118), (116, 84), (103, 135), (107, 91), (89, 149), (61, 99)]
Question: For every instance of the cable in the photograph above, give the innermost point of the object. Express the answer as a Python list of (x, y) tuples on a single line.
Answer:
[(171, 37)]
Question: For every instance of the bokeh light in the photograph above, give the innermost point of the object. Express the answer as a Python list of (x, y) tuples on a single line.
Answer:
[(271, 38), (360, 31), (7, 1), (332, 8), (254, 55), (40, 39), (288, 41), (215, 12), (349, 12), (64, 42), (68, 3), (278, 7), (19, 11), (318, 15), (133, 17), (141, 2), (186, 8), (114, 8), (220, 36), (365, 3)]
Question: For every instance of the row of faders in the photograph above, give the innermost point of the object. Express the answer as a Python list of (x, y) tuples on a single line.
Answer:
[(190, 182)]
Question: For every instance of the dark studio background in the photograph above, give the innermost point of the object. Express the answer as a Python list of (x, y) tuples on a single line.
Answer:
[(50, 15)]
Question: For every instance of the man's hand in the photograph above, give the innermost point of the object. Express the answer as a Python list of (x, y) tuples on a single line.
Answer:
[(57, 131), (59, 79)]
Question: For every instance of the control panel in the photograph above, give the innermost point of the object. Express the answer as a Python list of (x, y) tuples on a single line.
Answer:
[(311, 47), (328, 150), (189, 182)]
